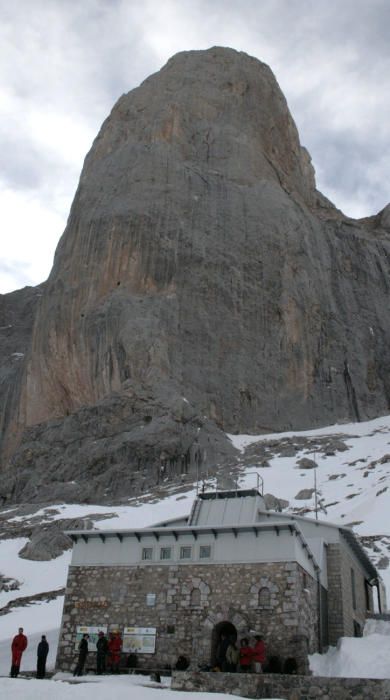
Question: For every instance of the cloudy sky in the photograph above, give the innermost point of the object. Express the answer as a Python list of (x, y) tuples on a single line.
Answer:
[(64, 63)]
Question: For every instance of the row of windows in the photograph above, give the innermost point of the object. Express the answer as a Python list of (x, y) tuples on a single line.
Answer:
[(263, 598), (186, 552)]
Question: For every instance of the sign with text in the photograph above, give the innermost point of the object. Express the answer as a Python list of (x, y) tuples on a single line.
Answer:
[(93, 635), (139, 640)]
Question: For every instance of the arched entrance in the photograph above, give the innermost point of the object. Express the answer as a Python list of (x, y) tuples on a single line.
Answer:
[(221, 634)]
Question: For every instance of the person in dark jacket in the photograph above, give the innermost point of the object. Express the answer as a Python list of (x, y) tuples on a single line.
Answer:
[(42, 652), (83, 651), (19, 644), (101, 653), (221, 660)]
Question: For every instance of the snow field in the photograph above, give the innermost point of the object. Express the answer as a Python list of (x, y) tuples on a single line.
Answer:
[(98, 688)]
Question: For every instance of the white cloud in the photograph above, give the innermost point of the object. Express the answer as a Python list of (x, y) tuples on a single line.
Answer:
[(29, 236)]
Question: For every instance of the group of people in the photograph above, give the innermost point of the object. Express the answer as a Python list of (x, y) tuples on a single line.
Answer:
[(19, 645), (108, 653), (245, 659)]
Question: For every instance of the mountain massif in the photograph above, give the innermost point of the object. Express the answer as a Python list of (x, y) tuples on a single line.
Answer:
[(202, 285)]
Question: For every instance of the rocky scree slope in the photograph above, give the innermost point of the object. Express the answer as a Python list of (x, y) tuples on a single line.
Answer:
[(202, 285)]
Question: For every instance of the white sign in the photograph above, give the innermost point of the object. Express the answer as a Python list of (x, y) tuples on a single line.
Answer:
[(139, 640)]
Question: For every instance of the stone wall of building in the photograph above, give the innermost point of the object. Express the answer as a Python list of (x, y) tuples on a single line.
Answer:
[(343, 610), (277, 600), (354, 610), (282, 686), (335, 599)]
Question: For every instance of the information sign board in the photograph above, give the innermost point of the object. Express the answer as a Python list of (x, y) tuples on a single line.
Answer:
[(139, 640)]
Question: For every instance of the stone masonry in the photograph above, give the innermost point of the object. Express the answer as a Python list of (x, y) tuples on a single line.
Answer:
[(283, 686), (342, 613), (277, 600)]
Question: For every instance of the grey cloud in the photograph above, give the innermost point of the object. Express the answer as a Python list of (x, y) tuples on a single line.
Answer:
[(352, 169), (24, 167), (78, 58), (17, 270)]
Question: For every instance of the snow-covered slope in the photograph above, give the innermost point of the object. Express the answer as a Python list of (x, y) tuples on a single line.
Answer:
[(353, 481)]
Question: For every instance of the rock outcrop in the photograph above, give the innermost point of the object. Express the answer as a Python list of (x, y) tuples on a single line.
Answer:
[(202, 285)]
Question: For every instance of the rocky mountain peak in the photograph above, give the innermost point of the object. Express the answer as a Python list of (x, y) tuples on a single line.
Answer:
[(201, 285), (219, 110)]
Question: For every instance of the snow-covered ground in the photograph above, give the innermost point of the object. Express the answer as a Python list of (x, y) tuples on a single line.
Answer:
[(353, 495), (366, 657), (34, 576), (137, 514), (132, 687), (354, 487)]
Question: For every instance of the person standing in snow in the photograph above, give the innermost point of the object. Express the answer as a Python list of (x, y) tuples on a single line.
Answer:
[(19, 644), (83, 651), (115, 649), (42, 652), (101, 653)]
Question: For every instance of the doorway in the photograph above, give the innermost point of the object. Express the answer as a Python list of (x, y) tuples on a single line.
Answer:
[(221, 633)]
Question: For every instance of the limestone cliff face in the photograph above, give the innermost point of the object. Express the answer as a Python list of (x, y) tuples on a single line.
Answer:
[(201, 267)]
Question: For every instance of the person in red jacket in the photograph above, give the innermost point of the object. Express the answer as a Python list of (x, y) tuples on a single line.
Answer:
[(246, 655), (258, 654), (19, 644), (115, 648)]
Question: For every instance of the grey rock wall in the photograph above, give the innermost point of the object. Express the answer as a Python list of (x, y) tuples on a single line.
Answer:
[(199, 264)]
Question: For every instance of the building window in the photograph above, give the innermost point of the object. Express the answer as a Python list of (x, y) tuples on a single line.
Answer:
[(353, 589), (367, 595), (166, 553), (147, 553), (264, 598), (185, 552), (205, 551), (195, 598), (150, 600)]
